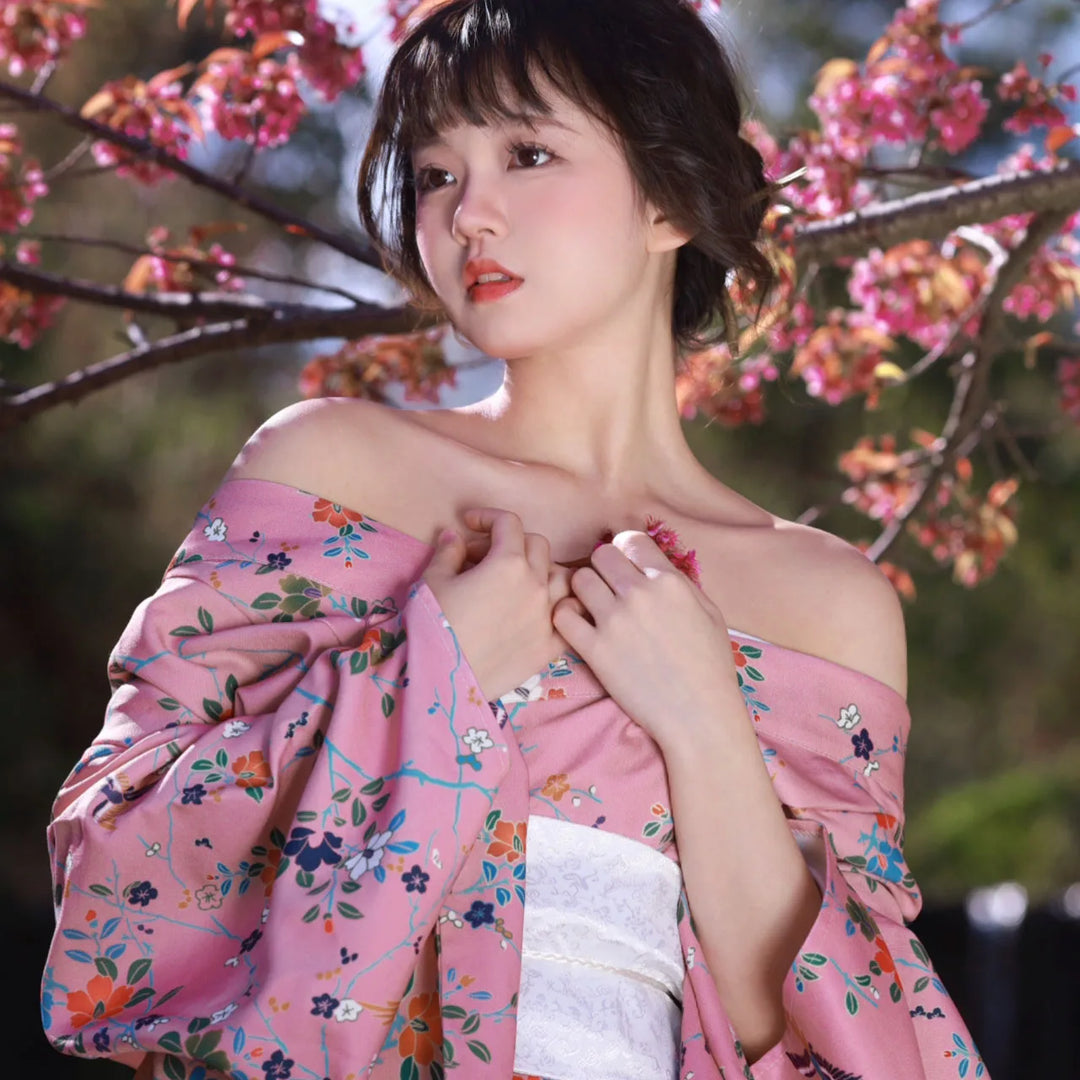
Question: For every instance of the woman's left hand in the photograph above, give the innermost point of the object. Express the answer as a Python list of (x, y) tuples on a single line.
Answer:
[(659, 645)]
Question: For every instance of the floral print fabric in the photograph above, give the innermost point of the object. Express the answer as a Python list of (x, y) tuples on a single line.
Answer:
[(298, 847)]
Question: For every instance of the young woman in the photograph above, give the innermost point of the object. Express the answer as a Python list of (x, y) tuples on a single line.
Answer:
[(549, 794)]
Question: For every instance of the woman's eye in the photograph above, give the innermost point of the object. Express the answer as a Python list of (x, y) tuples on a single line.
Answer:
[(518, 148), (423, 178)]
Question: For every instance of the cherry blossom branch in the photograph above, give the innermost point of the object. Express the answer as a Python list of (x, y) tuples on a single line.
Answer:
[(271, 328), (172, 305), (361, 251), (202, 264), (934, 214), (970, 417)]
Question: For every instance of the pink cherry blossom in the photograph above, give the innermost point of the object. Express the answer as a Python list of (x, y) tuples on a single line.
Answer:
[(243, 97), (38, 32), (24, 316), (21, 182)]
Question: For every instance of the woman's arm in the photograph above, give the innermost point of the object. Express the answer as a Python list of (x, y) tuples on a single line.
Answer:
[(272, 746)]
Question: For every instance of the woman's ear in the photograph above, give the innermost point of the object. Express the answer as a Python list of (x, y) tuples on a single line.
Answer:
[(663, 235)]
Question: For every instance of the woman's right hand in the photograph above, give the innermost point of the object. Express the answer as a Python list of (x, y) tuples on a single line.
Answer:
[(500, 603)]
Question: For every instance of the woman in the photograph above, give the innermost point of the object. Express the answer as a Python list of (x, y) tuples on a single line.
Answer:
[(389, 800)]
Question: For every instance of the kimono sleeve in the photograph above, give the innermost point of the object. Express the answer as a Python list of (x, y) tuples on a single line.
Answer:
[(250, 854), (862, 999)]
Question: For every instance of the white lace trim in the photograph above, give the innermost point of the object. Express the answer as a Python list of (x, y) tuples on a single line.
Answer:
[(602, 968)]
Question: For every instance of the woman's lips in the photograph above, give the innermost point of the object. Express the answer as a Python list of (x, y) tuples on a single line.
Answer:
[(492, 290)]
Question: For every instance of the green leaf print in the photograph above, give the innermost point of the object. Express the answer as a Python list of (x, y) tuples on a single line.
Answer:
[(169, 703), (138, 970), (101, 890), (408, 1070), (265, 601), (358, 812), (312, 913), (472, 1024), (200, 1047), (174, 1068), (206, 620), (184, 631), (212, 708), (106, 966), (388, 703), (480, 1050), (348, 911), (921, 983), (852, 1002)]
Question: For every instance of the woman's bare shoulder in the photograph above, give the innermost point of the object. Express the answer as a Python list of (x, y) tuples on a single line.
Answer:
[(307, 443), (843, 607)]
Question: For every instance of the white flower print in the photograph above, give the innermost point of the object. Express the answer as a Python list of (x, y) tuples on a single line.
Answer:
[(452, 917), (477, 740), (223, 1014), (236, 727), (369, 857), (347, 1010), (209, 896), (849, 717), (871, 766), (216, 530)]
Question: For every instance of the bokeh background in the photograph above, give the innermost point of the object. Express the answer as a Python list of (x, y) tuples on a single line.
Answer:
[(97, 497)]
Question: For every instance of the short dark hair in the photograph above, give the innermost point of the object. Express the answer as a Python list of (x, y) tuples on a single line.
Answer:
[(651, 71)]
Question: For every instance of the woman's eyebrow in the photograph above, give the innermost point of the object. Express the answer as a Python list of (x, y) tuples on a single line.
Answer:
[(533, 121)]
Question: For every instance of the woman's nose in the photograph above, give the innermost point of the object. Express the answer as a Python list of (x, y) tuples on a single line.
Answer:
[(480, 209)]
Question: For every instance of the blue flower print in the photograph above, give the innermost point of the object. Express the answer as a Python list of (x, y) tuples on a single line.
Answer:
[(479, 914), (324, 1005), (279, 1067), (415, 880), (101, 1040), (193, 795), (142, 892), (887, 861), (308, 857), (862, 744), (278, 560)]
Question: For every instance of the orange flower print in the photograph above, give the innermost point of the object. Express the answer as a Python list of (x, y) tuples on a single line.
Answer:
[(740, 658), (883, 959), (333, 513), (556, 786), (509, 840), (252, 770), (98, 1001), (423, 1033), (269, 871), (886, 821)]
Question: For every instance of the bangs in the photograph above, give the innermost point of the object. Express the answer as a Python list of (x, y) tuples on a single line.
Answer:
[(477, 65)]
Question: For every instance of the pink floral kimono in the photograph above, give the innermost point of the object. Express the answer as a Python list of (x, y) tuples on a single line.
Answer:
[(298, 848)]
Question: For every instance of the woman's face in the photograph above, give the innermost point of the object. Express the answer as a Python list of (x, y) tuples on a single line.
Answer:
[(555, 206)]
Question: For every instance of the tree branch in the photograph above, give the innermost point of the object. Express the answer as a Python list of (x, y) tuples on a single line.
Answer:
[(934, 214), (201, 340), (360, 251), (171, 305)]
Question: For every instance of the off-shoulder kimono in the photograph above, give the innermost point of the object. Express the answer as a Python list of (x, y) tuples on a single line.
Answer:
[(298, 847)]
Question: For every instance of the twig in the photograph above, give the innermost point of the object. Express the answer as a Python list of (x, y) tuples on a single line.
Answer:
[(181, 306), (203, 264)]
